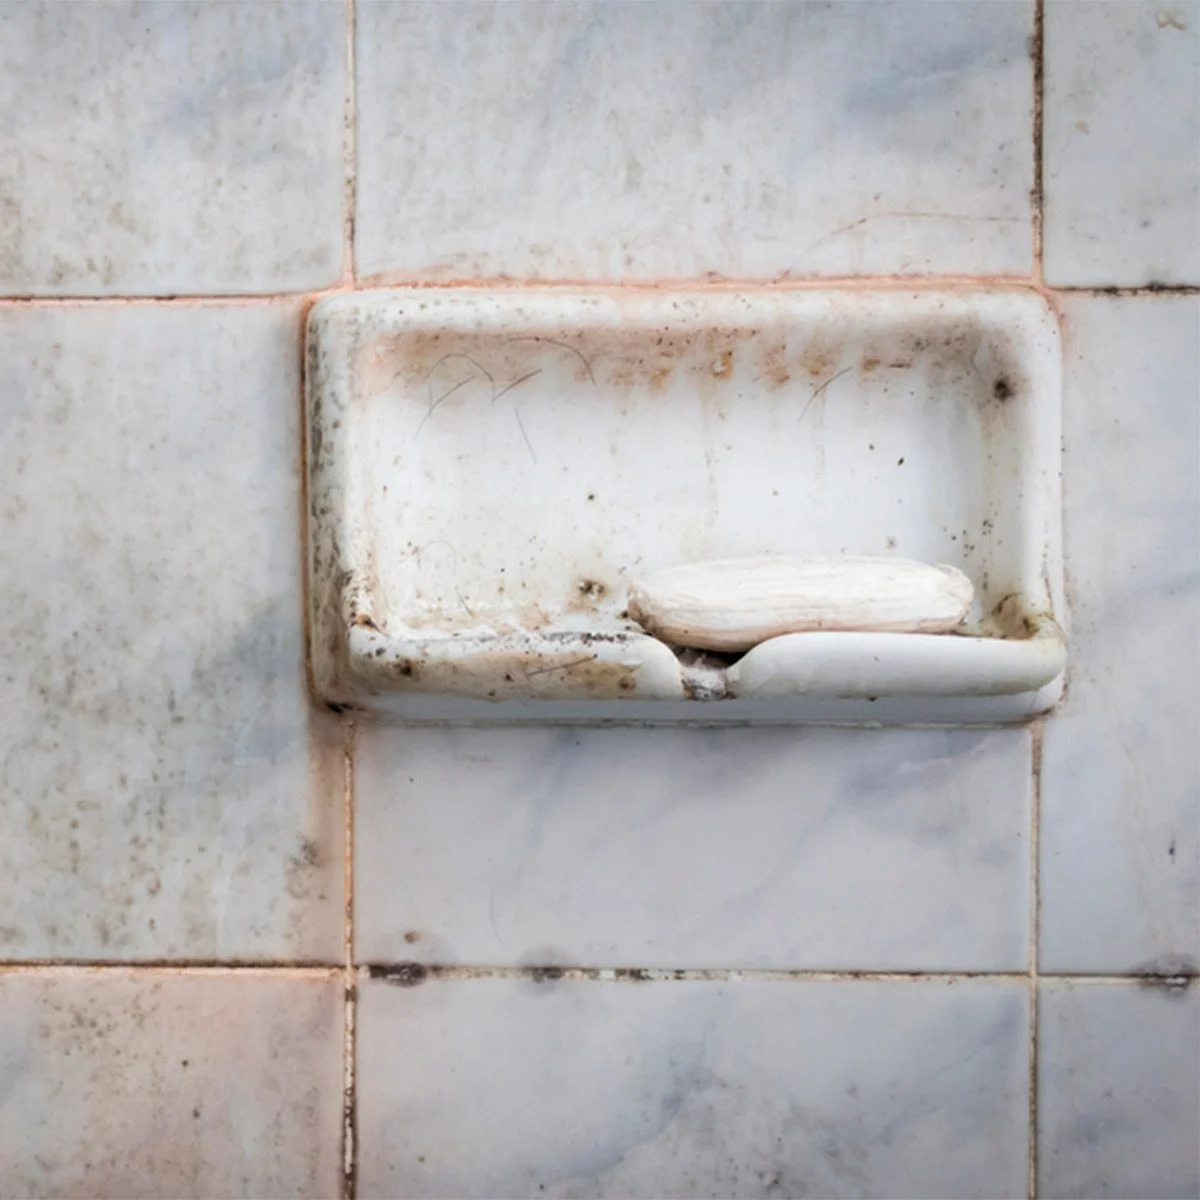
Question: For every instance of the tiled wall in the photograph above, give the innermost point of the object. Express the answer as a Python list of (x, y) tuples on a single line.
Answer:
[(251, 948)]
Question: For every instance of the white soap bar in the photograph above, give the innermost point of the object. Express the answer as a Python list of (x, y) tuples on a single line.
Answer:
[(736, 603)]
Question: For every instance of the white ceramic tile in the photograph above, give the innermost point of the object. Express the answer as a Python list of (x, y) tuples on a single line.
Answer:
[(1120, 873), (170, 148), (1122, 132), (1119, 1091), (668, 140), (152, 1085), (686, 847), (499, 1088), (168, 790)]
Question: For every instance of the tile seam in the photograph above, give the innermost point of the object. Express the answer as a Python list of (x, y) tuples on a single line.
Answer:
[(925, 283), (1035, 816), (349, 978), (1038, 194), (350, 148), (554, 971), (414, 973)]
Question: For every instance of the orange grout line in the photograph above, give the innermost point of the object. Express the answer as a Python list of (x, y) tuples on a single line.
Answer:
[(710, 283)]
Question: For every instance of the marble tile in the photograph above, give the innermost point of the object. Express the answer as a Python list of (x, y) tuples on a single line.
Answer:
[(1122, 127), (1118, 1091), (1120, 842), (687, 847), (168, 791), (151, 1084), (506, 1087), (170, 148), (656, 140)]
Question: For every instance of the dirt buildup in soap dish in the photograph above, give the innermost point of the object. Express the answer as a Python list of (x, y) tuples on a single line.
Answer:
[(703, 672)]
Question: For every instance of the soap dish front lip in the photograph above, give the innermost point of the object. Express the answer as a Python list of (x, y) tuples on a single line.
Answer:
[(597, 666)]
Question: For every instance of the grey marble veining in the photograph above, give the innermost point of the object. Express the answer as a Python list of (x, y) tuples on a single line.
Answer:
[(1120, 844), (1119, 1091), (771, 847), (1122, 127), (167, 789), (170, 148), (499, 1088), (664, 140)]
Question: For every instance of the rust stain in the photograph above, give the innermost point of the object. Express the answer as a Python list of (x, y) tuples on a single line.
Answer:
[(819, 358), (773, 367)]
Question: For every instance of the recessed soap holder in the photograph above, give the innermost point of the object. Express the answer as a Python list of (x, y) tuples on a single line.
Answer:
[(490, 470)]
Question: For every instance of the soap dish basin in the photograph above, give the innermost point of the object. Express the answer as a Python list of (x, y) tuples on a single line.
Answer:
[(491, 469)]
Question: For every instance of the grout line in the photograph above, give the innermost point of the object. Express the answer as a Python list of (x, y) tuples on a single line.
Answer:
[(1038, 194), (413, 972), (302, 477), (349, 981), (1035, 820), (349, 150), (350, 732), (146, 300), (1143, 289), (349, 1188), (1175, 982), (709, 283), (410, 974), (913, 283), (879, 283), (304, 970), (418, 972)]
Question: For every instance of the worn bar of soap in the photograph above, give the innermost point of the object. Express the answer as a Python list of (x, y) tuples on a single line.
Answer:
[(734, 604)]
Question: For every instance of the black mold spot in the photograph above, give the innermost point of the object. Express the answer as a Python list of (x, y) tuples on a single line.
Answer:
[(406, 974), (1002, 389), (632, 974), (1172, 974), (546, 974)]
